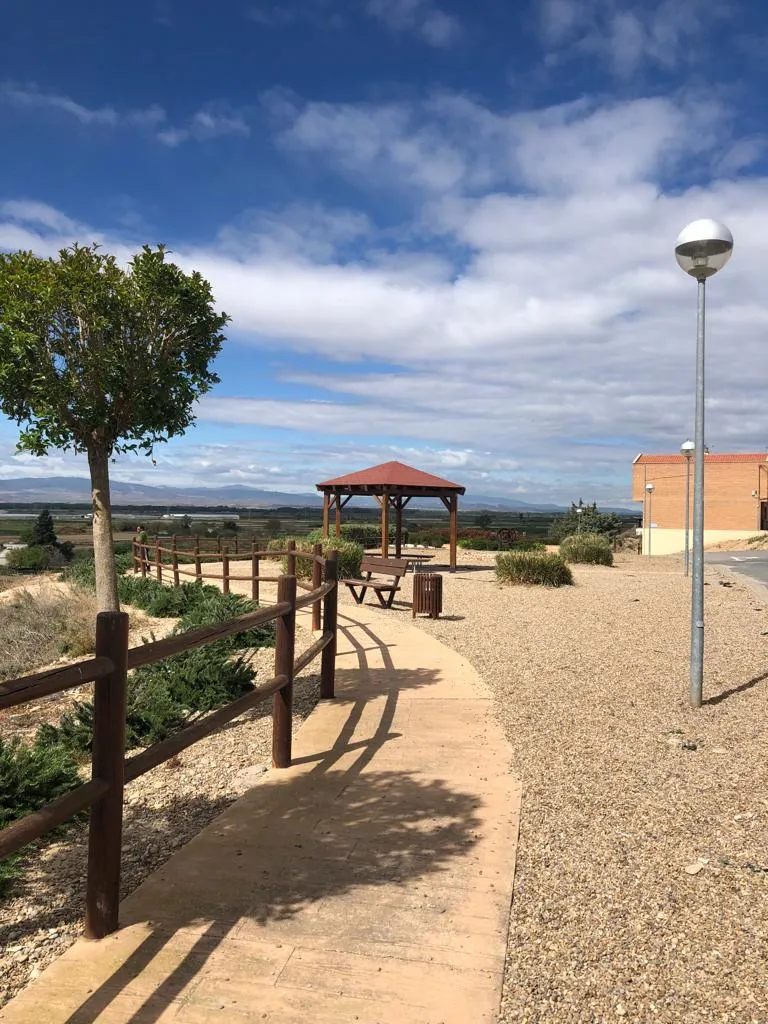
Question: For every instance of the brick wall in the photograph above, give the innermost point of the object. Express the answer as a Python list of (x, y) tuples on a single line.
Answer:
[(728, 500)]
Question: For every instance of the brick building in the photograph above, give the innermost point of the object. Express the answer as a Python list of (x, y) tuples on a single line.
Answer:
[(735, 498)]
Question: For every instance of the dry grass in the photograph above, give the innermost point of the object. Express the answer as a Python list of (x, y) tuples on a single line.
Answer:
[(39, 626)]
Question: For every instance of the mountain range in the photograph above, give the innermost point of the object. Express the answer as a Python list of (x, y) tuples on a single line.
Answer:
[(62, 489)]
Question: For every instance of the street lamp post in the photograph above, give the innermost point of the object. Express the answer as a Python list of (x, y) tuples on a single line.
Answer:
[(686, 450), (579, 512), (702, 248), (649, 492)]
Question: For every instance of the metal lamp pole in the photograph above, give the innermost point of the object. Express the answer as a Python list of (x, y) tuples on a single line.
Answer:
[(702, 248), (649, 492), (686, 450)]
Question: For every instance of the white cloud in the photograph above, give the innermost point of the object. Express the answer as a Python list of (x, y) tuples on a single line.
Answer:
[(435, 26), (627, 36), (210, 122), (533, 314)]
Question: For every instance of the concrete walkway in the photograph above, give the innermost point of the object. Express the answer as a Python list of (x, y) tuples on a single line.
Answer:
[(370, 883)]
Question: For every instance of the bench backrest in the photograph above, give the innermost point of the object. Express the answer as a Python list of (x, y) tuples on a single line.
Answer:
[(388, 566)]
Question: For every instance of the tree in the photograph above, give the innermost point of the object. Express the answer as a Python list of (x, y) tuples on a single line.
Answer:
[(43, 532), (101, 359), (484, 520), (581, 518)]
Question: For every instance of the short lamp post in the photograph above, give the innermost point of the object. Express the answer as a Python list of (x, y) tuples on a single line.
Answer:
[(702, 248), (649, 491), (686, 450), (579, 512)]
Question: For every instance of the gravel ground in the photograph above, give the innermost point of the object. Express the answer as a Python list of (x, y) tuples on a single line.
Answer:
[(642, 880), (42, 914)]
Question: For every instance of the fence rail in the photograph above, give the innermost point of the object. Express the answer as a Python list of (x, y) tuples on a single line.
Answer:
[(111, 771), (148, 557)]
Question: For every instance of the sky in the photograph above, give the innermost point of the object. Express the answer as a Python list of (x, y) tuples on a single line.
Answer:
[(444, 230)]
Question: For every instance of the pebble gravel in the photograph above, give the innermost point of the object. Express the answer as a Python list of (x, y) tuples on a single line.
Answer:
[(641, 888)]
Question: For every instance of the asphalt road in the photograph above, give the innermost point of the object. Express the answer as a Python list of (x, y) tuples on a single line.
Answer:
[(752, 564)]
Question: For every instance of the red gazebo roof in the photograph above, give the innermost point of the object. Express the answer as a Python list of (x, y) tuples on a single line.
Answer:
[(391, 474)]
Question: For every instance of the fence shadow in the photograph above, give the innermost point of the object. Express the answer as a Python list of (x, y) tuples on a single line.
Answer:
[(310, 841)]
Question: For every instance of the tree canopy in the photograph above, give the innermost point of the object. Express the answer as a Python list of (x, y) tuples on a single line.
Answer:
[(102, 358)]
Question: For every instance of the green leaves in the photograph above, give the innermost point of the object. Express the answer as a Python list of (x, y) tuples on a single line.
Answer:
[(97, 355)]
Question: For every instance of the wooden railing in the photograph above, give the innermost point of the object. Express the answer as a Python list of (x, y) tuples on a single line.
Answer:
[(110, 771), (152, 557)]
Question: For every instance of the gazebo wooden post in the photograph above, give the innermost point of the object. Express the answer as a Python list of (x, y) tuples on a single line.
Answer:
[(385, 524), (398, 525), (454, 514), (338, 513), (326, 514)]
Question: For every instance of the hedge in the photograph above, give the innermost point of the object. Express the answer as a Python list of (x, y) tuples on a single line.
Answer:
[(521, 568), (587, 548)]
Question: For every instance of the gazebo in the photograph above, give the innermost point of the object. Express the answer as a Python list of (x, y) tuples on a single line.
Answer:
[(392, 484)]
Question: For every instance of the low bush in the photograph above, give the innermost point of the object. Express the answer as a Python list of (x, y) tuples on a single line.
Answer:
[(30, 777), (528, 544), (350, 556), (218, 607), (162, 698), (588, 548), (34, 559), (524, 567), (478, 544)]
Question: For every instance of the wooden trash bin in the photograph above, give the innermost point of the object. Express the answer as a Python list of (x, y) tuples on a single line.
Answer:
[(427, 594)]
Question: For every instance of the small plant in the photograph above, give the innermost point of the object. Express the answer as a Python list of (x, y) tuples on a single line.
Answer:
[(528, 544), (587, 548), (30, 777), (523, 568)]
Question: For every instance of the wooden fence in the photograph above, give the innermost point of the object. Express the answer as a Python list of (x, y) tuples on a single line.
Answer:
[(110, 770), (177, 560)]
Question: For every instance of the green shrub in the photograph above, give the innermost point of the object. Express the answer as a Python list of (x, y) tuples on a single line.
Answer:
[(590, 548), (524, 567), (30, 777), (218, 607), (350, 556), (528, 544), (31, 558), (478, 544), (123, 547)]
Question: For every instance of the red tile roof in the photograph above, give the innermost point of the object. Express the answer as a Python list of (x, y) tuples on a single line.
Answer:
[(661, 460), (391, 474)]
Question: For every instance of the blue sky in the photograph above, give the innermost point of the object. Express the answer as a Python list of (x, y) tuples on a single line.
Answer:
[(444, 231)]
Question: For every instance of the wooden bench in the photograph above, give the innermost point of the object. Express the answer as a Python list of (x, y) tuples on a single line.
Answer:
[(385, 591)]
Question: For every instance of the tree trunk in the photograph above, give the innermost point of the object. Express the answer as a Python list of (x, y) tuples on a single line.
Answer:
[(103, 546)]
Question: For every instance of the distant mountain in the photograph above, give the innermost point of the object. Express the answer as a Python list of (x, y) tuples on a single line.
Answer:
[(62, 489), (75, 488)]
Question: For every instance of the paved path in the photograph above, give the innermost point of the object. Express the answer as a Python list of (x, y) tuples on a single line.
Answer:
[(371, 882), (753, 564)]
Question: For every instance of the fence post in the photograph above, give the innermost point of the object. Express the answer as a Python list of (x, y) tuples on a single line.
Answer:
[(218, 545), (317, 579), (143, 560), (175, 560), (198, 569), (291, 545), (108, 762), (330, 618), (134, 552), (225, 569), (254, 573), (158, 561), (236, 551), (282, 708)]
